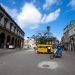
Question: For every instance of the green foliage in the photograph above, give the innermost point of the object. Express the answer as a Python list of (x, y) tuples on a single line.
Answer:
[(44, 37)]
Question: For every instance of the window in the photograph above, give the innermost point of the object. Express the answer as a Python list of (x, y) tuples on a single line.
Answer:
[(5, 21)]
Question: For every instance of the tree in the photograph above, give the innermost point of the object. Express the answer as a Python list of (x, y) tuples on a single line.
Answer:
[(44, 37)]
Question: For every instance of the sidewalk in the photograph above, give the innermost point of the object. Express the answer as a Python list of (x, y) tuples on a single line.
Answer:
[(8, 51), (71, 53)]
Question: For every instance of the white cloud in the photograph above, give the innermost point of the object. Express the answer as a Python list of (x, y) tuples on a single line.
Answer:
[(12, 12), (43, 20), (29, 16), (48, 4), (51, 16), (72, 3)]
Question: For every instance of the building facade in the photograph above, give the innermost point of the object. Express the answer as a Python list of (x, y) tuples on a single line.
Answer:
[(31, 42), (68, 39), (10, 32)]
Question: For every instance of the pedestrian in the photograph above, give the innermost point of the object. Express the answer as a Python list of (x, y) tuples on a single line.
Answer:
[(59, 51), (55, 50)]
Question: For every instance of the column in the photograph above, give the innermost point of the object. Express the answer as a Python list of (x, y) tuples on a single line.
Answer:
[(5, 41)]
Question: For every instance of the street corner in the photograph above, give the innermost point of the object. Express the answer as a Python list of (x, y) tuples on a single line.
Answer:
[(48, 65)]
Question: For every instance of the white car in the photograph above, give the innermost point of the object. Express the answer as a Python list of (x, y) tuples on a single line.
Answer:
[(11, 46)]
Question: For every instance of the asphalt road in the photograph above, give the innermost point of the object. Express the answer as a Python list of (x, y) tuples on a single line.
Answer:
[(28, 62)]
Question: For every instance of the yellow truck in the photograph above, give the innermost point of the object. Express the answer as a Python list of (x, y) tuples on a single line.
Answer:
[(44, 48)]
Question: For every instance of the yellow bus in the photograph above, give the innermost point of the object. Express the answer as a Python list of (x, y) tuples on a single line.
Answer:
[(43, 48)]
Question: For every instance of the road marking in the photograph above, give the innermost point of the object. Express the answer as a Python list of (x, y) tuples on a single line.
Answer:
[(48, 65)]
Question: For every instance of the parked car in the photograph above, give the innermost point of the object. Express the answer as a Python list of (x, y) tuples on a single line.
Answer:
[(11, 46)]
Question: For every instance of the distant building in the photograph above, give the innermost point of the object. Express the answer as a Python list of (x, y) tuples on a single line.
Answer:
[(10, 32), (68, 39), (30, 42)]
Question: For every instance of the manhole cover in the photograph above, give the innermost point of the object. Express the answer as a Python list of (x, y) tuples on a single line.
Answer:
[(46, 65)]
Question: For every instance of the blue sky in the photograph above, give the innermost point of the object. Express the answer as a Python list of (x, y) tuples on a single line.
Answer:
[(35, 15)]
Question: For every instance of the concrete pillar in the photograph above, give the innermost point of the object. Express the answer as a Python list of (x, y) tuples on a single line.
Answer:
[(5, 41), (2, 21), (22, 43), (19, 43)]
